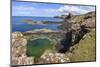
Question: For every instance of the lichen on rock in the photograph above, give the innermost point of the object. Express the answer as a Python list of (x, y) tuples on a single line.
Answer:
[(19, 56), (53, 57)]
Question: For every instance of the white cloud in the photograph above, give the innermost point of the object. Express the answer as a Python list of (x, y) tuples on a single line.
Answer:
[(33, 11), (76, 9), (91, 8)]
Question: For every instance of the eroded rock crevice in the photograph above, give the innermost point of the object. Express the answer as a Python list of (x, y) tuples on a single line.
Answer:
[(74, 32)]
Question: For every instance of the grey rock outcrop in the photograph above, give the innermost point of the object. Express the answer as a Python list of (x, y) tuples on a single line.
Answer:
[(49, 57), (19, 56), (89, 20)]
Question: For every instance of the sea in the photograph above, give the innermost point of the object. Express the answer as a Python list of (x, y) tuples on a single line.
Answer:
[(18, 23)]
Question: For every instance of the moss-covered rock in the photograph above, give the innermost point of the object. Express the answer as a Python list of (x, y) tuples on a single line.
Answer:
[(85, 50)]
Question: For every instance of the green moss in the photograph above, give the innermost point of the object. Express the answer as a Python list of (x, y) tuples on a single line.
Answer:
[(77, 18), (85, 50)]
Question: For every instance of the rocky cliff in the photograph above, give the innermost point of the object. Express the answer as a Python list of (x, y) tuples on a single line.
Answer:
[(77, 29)]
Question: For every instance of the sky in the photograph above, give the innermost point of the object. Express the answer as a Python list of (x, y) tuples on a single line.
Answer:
[(47, 9)]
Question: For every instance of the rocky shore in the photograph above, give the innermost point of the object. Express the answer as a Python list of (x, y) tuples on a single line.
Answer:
[(31, 22), (77, 42), (43, 31), (20, 57)]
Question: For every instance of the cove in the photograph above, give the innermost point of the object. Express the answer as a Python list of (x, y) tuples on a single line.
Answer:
[(37, 47)]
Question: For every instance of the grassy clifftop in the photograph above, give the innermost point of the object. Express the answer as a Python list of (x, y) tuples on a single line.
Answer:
[(85, 49), (81, 18)]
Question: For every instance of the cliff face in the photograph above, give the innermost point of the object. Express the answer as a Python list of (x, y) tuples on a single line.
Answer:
[(76, 30)]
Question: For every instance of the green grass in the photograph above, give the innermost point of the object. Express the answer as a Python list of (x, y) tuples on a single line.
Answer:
[(77, 18), (85, 50)]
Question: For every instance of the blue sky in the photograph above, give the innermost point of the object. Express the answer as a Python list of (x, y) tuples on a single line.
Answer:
[(47, 10)]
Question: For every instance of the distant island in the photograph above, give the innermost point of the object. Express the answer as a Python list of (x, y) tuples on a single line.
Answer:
[(41, 22)]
